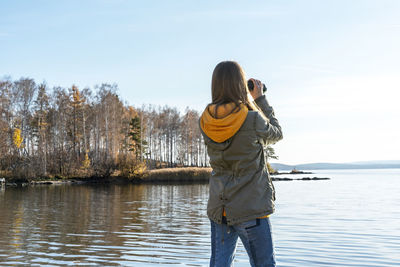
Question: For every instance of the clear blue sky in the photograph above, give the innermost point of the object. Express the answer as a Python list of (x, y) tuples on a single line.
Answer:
[(332, 67)]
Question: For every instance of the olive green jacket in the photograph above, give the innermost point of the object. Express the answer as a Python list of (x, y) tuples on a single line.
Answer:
[(240, 182)]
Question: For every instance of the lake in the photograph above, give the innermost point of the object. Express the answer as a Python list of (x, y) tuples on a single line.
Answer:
[(351, 220)]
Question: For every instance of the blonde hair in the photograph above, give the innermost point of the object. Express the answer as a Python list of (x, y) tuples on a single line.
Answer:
[(229, 85)]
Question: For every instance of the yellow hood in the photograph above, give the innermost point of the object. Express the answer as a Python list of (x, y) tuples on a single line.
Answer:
[(223, 125)]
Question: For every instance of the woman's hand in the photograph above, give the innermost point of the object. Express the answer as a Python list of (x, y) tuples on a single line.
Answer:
[(257, 91)]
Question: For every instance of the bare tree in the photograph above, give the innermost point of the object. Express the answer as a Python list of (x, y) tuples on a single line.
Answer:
[(69, 132)]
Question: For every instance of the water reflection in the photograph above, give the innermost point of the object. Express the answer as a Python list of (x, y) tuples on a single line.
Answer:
[(117, 224), (350, 220)]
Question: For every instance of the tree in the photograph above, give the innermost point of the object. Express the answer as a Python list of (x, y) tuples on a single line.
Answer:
[(23, 91), (97, 133), (17, 138), (86, 161), (5, 119), (39, 126), (59, 117), (270, 153), (190, 137), (77, 120), (138, 145)]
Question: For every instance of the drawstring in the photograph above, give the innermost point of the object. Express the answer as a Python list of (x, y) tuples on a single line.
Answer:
[(228, 228)]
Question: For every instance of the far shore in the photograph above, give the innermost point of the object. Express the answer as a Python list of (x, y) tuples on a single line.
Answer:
[(182, 175)]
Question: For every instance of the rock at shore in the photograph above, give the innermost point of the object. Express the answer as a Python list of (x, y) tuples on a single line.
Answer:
[(299, 179)]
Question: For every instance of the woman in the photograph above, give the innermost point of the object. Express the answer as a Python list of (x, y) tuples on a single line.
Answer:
[(235, 131)]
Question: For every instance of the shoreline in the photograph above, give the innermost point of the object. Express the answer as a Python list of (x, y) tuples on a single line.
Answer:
[(183, 175)]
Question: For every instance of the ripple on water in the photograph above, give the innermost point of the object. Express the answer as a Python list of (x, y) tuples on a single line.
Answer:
[(316, 224)]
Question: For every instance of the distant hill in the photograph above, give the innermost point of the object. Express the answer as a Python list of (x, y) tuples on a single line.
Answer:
[(376, 164)]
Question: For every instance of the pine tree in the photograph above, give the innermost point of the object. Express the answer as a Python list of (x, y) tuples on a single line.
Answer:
[(270, 153), (138, 145)]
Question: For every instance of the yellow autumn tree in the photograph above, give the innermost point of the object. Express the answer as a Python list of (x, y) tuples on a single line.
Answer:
[(77, 120), (86, 161), (17, 138)]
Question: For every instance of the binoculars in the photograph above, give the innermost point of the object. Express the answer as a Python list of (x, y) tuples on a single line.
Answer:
[(250, 85)]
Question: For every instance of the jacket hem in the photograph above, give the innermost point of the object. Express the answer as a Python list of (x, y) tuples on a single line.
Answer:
[(231, 222)]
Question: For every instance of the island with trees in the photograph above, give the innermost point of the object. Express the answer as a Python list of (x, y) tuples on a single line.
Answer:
[(61, 133), (75, 135)]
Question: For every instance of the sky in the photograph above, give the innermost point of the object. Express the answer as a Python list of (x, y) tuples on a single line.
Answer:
[(331, 67)]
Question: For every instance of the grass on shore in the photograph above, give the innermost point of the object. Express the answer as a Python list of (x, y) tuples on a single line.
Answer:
[(186, 174), (165, 175)]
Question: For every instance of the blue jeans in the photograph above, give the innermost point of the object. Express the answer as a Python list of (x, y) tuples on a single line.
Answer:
[(255, 236)]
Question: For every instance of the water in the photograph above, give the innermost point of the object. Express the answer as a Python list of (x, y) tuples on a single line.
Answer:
[(351, 220)]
